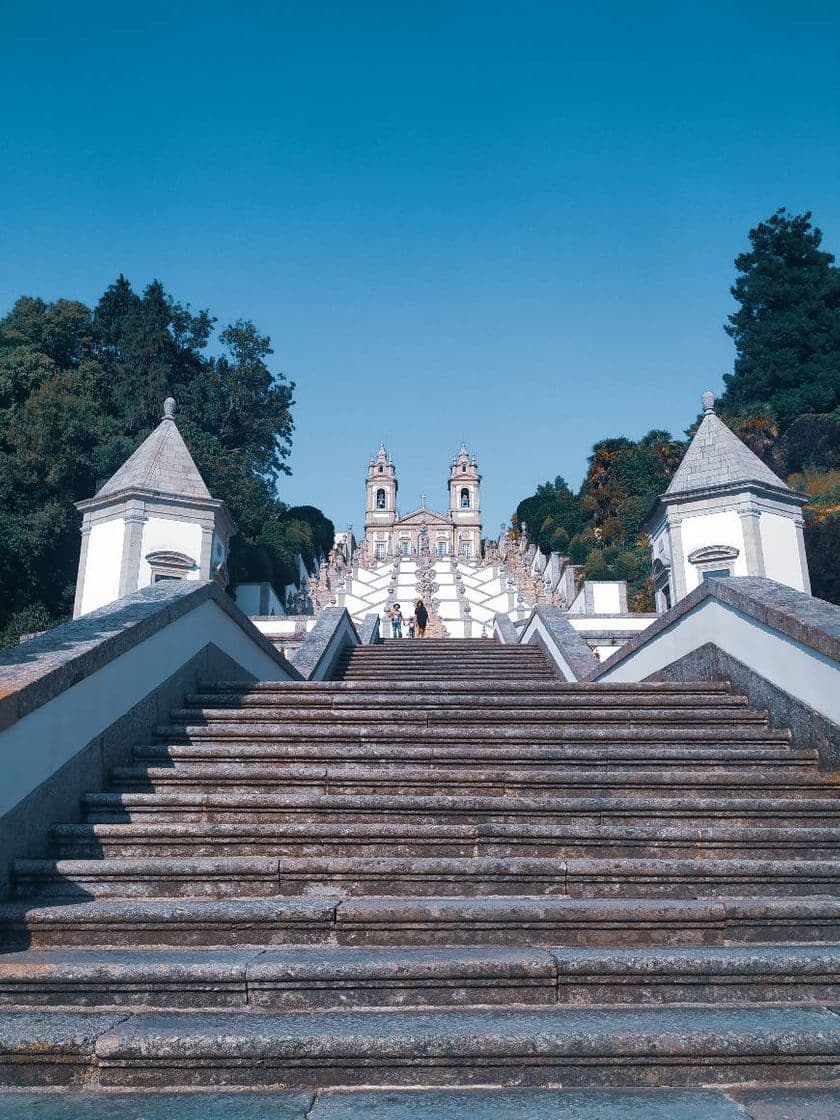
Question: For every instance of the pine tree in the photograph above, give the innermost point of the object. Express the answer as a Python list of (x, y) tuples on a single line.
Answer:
[(787, 328)]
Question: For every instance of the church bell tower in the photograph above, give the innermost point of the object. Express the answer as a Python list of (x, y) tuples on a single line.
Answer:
[(465, 505), (381, 505)]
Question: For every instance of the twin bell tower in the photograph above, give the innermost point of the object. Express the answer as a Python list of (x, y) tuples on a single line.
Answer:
[(457, 533)]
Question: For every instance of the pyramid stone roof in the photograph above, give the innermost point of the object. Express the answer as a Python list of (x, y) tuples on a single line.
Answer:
[(161, 464), (716, 457)]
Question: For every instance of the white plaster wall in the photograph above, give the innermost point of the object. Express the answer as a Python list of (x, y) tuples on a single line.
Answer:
[(356, 606), (628, 624), (481, 613), (498, 602), (795, 668), (248, 598), (606, 598), (104, 562), (282, 627), (578, 605), (781, 550), (702, 529), (39, 744), (161, 533)]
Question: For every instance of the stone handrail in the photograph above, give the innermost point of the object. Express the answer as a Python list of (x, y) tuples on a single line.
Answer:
[(40, 669), (76, 699), (779, 646), (504, 630), (319, 657), (370, 631), (549, 627)]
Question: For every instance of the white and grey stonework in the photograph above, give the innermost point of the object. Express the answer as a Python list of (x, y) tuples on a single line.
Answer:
[(154, 520), (437, 867), (456, 533), (464, 581), (725, 513), (486, 869)]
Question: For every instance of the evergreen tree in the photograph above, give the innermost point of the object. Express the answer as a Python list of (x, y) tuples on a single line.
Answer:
[(787, 327), (554, 501), (80, 389)]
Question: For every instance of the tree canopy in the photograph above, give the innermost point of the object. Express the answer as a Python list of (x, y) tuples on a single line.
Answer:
[(81, 387), (782, 399), (599, 528), (787, 327)]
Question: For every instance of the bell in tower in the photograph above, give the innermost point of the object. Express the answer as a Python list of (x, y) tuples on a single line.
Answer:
[(380, 505), (465, 505)]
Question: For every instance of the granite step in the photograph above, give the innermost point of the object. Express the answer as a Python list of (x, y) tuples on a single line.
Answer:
[(180, 922), (263, 876), (204, 978), (288, 979), (400, 658), (637, 690), (588, 923), (451, 675), (560, 841), (703, 878), (54, 1049), (477, 733), (432, 717), (511, 920), (617, 757), (405, 653), (327, 977), (756, 974), (448, 673), (548, 698), (186, 806), (476, 1103), (555, 781), (447, 650), (684, 1046)]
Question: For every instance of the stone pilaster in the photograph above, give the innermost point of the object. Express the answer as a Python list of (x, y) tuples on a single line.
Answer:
[(206, 561), (680, 588), (753, 548), (135, 519), (80, 578), (803, 558)]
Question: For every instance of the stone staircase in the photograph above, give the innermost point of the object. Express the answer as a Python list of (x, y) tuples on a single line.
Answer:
[(447, 868)]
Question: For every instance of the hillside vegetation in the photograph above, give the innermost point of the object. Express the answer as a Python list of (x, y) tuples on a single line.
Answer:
[(782, 398), (81, 387)]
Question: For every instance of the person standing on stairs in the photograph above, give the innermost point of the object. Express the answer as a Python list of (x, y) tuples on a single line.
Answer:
[(396, 621), (421, 618)]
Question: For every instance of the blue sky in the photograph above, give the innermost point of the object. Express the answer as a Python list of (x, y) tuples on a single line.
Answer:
[(509, 223)]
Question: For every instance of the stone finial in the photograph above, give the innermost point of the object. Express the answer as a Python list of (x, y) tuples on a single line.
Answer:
[(169, 408), (708, 400)]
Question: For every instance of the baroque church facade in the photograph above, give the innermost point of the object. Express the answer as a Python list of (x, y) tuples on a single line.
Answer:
[(423, 531)]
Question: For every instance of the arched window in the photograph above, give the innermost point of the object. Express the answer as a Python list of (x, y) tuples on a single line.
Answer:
[(380, 498), (465, 498)]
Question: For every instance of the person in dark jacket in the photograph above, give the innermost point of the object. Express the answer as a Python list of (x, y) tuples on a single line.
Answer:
[(421, 617)]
